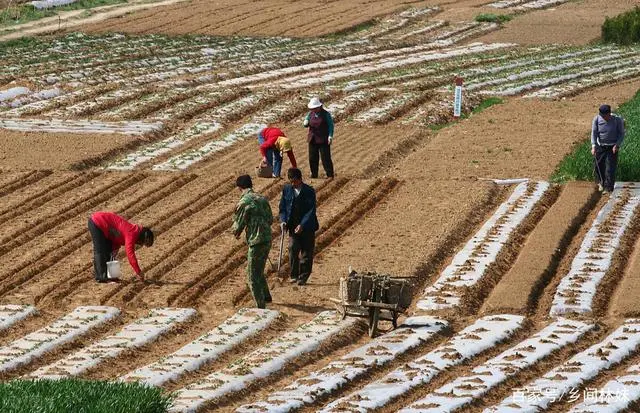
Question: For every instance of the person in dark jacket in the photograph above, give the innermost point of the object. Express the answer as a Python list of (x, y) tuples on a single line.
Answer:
[(298, 217), (607, 134), (109, 232), (319, 137)]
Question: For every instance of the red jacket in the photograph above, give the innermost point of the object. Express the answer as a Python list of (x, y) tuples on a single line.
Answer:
[(270, 136), (120, 232)]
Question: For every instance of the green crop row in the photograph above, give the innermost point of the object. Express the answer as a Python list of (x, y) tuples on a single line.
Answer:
[(579, 165), (623, 28), (80, 396)]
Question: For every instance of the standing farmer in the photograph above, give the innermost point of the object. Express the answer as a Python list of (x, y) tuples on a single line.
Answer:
[(607, 134), (109, 232), (298, 217), (273, 143), (253, 213), (320, 136)]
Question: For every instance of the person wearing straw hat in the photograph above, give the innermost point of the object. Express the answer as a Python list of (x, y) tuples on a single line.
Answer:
[(253, 216), (273, 143), (110, 231), (607, 134), (319, 137)]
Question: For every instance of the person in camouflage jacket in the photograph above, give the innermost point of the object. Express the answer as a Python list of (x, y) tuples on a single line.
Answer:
[(253, 215)]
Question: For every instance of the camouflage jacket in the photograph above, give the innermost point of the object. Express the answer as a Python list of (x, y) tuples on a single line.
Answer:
[(253, 212)]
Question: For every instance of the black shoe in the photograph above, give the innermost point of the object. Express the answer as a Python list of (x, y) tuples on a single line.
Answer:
[(314, 176), (302, 281), (293, 280)]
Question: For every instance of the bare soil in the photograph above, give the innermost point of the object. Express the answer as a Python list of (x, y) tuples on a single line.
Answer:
[(624, 302), (249, 18), (519, 289), (403, 202)]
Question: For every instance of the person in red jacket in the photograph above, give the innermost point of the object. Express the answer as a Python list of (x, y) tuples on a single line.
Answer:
[(109, 232), (273, 143)]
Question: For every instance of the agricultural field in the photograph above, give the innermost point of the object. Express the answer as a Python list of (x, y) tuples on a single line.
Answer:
[(525, 289)]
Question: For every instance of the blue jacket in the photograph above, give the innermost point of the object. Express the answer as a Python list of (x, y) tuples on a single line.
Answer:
[(307, 195)]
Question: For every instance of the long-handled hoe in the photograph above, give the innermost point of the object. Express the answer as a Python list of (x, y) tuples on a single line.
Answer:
[(598, 171), (280, 252)]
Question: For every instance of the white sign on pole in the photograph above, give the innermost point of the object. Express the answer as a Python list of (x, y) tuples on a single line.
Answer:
[(457, 100)]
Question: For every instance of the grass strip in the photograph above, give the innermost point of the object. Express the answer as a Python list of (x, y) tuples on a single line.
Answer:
[(493, 18), (23, 13), (80, 396), (578, 165)]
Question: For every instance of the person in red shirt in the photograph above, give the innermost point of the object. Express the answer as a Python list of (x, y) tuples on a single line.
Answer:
[(273, 143), (109, 232)]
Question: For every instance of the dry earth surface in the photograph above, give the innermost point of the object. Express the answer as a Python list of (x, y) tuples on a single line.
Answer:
[(406, 198)]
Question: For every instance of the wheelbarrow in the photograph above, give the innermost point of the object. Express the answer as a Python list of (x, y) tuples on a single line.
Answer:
[(374, 296)]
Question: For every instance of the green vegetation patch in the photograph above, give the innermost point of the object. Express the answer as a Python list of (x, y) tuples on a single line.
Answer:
[(80, 396), (622, 29), (23, 13), (579, 165), (485, 104), (493, 18)]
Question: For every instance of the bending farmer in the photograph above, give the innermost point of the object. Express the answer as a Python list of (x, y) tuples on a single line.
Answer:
[(607, 134), (109, 232), (273, 143), (253, 214), (298, 216)]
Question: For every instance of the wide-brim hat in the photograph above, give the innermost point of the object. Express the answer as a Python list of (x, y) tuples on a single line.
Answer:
[(314, 103)]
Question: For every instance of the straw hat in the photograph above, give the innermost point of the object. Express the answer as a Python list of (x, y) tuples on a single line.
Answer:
[(314, 103)]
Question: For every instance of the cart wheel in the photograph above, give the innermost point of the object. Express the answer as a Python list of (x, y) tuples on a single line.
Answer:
[(374, 317), (342, 311)]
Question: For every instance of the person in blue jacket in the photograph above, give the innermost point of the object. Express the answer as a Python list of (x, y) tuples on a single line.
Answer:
[(298, 218)]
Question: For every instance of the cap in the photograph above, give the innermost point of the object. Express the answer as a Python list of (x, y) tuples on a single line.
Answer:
[(605, 109)]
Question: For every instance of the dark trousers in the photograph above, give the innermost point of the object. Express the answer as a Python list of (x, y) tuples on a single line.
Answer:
[(101, 251), (606, 163), (301, 248), (317, 151)]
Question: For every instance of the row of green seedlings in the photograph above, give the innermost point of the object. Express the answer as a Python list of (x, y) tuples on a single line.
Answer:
[(206, 124)]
